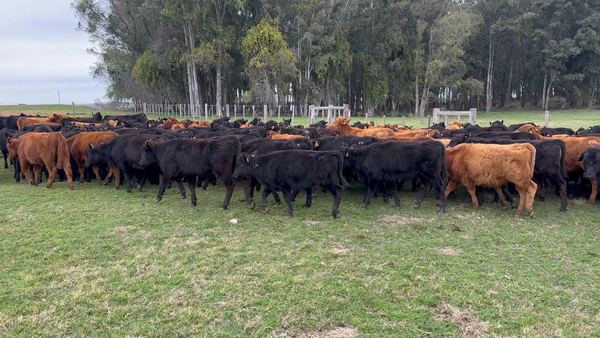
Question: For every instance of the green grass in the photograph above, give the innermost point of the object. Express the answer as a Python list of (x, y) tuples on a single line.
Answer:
[(44, 109), (100, 262)]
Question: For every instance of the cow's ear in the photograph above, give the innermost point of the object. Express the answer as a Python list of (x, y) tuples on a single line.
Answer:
[(246, 158), (9, 139), (149, 145), (490, 122), (580, 157), (91, 146), (502, 121)]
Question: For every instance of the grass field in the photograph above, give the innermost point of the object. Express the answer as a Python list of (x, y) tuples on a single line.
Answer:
[(101, 262), (45, 109)]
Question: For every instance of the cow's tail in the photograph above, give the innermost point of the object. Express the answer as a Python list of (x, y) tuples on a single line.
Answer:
[(237, 151), (62, 152), (563, 150), (444, 172), (532, 152), (343, 182)]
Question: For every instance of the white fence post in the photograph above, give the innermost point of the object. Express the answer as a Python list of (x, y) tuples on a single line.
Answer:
[(206, 111), (436, 118), (473, 116), (265, 113), (546, 118)]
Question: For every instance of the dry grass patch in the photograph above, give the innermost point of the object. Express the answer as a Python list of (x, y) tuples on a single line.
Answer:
[(470, 326), (399, 220), (450, 250), (338, 249), (336, 332)]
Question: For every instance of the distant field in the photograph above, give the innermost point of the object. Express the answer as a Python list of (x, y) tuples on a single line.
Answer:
[(100, 262), (45, 109)]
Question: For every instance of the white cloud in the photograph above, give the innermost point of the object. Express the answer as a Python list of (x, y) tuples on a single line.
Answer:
[(42, 52)]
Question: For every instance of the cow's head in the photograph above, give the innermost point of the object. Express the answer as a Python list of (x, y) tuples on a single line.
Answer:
[(591, 162), (148, 156)]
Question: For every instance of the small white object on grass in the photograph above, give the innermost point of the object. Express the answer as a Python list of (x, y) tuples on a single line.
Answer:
[(233, 221)]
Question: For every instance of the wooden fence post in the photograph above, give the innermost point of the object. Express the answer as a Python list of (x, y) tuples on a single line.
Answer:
[(428, 121), (293, 112), (73, 103), (546, 118), (473, 116), (311, 114), (235, 111), (265, 113), (227, 110), (403, 121), (278, 113), (384, 120), (206, 111), (253, 111), (436, 118), (244, 112)]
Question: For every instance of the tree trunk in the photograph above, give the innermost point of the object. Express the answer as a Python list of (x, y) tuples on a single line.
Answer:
[(417, 94), (508, 98), (544, 92), (219, 80), (548, 92), (489, 88), (191, 68)]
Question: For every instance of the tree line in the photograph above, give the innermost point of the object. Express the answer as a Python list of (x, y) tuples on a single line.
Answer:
[(393, 56)]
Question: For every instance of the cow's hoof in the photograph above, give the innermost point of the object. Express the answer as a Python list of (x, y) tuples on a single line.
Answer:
[(290, 215), (397, 207), (517, 215), (139, 188), (335, 214), (504, 208), (224, 207), (71, 187), (251, 204), (158, 200), (531, 213), (265, 208), (182, 197)]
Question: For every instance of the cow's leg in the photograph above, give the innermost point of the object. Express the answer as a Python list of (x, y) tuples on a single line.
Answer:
[(117, 172), (245, 182), (394, 192), (592, 199), (337, 198), (439, 189), (166, 180), (287, 195), (308, 198), (17, 172), (472, 191), (541, 182), (500, 194), (370, 191), (561, 185), (508, 195), (181, 188), (263, 203), (192, 185), (37, 170), (531, 189), (424, 192), (52, 171), (5, 155), (522, 200), (96, 170), (142, 182), (229, 185), (452, 185)]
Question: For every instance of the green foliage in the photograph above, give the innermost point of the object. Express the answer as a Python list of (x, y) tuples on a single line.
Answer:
[(145, 70)]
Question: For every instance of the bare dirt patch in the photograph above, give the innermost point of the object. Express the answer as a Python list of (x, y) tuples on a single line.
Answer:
[(470, 326), (311, 223), (338, 249), (399, 220), (124, 231), (336, 332), (450, 250)]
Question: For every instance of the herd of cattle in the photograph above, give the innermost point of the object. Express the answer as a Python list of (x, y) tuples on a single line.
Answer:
[(286, 159)]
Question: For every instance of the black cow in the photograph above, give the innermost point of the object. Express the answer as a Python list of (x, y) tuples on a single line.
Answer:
[(521, 135), (265, 146), (496, 126), (189, 158), (392, 162), (301, 170), (556, 131), (10, 122), (591, 162), (450, 133), (549, 163), (4, 132), (47, 128), (137, 118), (123, 152), (515, 127), (346, 141)]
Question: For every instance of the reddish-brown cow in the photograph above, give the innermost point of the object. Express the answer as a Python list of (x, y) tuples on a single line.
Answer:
[(55, 120), (41, 149), (341, 126), (575, 146), (492, 166), (79, 145)]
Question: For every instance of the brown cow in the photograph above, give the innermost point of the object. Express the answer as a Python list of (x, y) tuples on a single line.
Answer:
[(55, 120), (575, 146), (492, 166), (41, 149), (407, 139), (277, 135), (417, 133), (79, 145), (169, 122), (341, 126)]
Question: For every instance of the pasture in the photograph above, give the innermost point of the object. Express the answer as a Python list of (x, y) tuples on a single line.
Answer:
[(100, 262)]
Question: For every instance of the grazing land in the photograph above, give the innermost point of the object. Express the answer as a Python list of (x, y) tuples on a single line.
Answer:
[(45, 109), (100, 262)]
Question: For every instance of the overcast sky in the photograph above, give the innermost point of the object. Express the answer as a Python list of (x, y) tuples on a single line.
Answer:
[(41, 52)]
